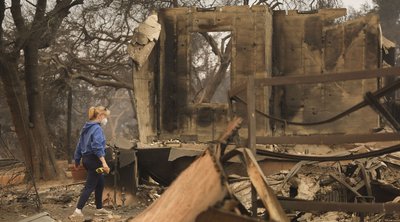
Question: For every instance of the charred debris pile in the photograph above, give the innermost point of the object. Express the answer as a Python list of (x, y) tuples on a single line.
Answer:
[(237, 185)]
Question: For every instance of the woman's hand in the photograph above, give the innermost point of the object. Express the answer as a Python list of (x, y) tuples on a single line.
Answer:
[(106, 168)]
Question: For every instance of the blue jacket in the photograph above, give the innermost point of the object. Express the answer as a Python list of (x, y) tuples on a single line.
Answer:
[(91, 141)]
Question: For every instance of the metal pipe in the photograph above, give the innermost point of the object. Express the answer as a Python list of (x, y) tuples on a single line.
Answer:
[(374, 153)]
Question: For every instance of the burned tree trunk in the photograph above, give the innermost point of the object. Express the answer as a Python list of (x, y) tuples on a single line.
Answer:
[(28, 117), (16, 102), (38, 126)]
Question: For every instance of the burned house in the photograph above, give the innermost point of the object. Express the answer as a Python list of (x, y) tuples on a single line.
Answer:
[(293, 78), (264, 44)]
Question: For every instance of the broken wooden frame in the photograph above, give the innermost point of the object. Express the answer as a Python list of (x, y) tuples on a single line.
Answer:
[(370, 99)]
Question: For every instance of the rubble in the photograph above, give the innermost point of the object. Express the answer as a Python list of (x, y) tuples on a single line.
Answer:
[(150, 192), (326, 217), (344, 184), (347, 188), (307, 187), (328, 184), (202, 190), (187, 192)]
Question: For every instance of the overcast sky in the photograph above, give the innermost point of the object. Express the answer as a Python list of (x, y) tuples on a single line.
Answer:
[(355, 3)]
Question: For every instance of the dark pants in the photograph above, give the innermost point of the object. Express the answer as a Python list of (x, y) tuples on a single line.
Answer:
[(94, 182)]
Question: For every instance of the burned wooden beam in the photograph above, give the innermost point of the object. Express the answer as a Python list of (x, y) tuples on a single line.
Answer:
[(259, 183), (329, 139), (323, 78), (233, 126), (312, 206), (251, 114), (265, 193)]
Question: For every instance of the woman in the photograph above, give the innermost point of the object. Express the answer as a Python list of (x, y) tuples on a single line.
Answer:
[(91, 149)]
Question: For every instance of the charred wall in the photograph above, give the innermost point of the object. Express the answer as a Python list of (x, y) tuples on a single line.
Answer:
[(251, 36), (312, 44)]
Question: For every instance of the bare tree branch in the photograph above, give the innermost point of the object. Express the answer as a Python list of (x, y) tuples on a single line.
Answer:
[(98, 82), (22, 33), (212, 42), (29, 2), (44, 26), (112, 80), (40, 12), (223, 49), (126, 16), (17, 15), (215, 80), (173, 3), (115, 50), (89, 37), (54, 18)]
